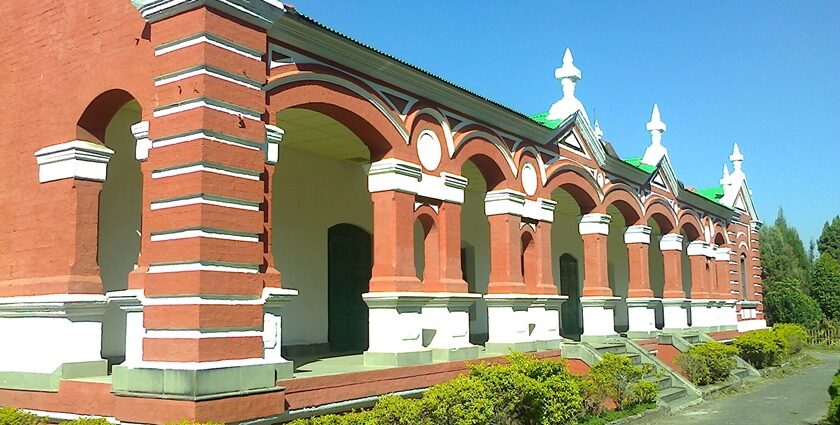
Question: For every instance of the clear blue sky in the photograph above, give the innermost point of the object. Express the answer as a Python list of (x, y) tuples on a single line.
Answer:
[(765, 74)]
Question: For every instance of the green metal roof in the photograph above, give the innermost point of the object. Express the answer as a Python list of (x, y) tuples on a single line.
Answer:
[(541, 118), (637, 162), (711, 193)]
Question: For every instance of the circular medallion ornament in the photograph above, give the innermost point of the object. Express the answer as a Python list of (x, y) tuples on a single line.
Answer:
[(529, 179), (428, 149)]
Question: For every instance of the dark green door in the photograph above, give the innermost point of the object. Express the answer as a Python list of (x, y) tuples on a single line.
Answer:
[(349, 258), (571, 314)]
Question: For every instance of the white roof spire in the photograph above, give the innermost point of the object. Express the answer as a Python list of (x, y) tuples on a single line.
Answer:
[(568, 74), (736, 158), (725, 179), (656, 127), (597, 129)]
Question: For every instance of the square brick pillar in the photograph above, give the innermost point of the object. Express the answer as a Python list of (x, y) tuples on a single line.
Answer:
[(597, 301), (210, 303), (728, 319), (675, 305), (702, 306), (641, 305)]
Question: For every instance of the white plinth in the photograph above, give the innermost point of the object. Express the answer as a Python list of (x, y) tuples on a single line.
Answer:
[(729, 314), (675, 313), (509, 320), (598, 316), (396, 321), (641, 315), (43, 332), (751, 325), (701, 312), (544, 313), (447, 318)]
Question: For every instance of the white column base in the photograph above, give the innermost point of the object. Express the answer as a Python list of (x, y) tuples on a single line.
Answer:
[(701, 312), (446, 325), (751, 325), (675, 313), (396, 328), (510, 324), (41, 333), (641, 315), (729, 315), (130, 302), (273, 300), (544, 313), (598, 316)]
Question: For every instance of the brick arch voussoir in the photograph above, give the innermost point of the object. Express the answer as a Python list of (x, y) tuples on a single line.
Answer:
[(626, 201), (99, 112), (577, 183), (690, 224), (489, 159), (662, 213)]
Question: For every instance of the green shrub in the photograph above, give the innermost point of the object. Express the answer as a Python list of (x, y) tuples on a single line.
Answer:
[(644, 392), (760, 348), (825, 285), (707, 363), (464, 400), (10, 416), (86, 421), (786, 302), (794, 337), (617, 374), (833, 416)]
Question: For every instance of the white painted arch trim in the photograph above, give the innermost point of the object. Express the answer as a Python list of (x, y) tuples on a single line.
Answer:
[(355, 88), (204, 39), (169, 110)]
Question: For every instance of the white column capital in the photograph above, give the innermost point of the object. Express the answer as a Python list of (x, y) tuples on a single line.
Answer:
[(141, 135), (637, 234), (671, 242), (697, 248), (595, 223), (273, 137), (722, 254), (76, 159)]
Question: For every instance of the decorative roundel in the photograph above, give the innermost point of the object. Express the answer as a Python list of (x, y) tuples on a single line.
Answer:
[(529, 179), (428, 149)]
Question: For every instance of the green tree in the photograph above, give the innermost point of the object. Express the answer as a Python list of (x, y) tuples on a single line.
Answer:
[(785, 302), (825, 285), (783, 255), (829, 241)]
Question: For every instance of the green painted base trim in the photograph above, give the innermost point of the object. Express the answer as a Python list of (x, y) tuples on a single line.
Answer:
[(412, 358), (507, 347), (454, 354), (598, 338), (35, 381), (549, 344), (727, 328), (204, 384), (284, 370)]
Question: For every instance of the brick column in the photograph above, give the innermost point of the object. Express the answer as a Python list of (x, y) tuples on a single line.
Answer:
[(393, 242), (697, 256), (598, 302), (594, 229), (675, 306), (544, 270), (505, 258), (671, 246), (205, 290), (448, 247), (637, 239)]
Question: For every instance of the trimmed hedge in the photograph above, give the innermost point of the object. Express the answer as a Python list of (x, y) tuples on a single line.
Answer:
[(527, 390), (707, 363), (833, 416), (10, 416), (760, 348)]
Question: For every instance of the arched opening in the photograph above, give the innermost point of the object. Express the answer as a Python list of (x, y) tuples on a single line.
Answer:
[(322, 216), (482, 175), (349, 262), (108, 120), (528, 259), (743, 275), (656, 270), (567, 248), (571, 313), (426, 253), (618, 267)]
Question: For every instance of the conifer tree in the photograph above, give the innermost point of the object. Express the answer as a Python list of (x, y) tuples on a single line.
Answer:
[(829, 241), (825, 285), (783, 255)]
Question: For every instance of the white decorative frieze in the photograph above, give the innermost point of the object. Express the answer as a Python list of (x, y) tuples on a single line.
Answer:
[(671, 242), (76, 159)]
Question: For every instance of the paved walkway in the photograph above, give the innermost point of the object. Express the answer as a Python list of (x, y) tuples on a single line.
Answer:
[(796, 399)]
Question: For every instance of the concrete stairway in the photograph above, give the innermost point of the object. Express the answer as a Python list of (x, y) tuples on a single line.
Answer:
[(674, 391), (684, 341)]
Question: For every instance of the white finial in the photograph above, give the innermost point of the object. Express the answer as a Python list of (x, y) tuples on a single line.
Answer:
[(568, 74), (656, 127), (725, 179), (736, 158), (598, 132)]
